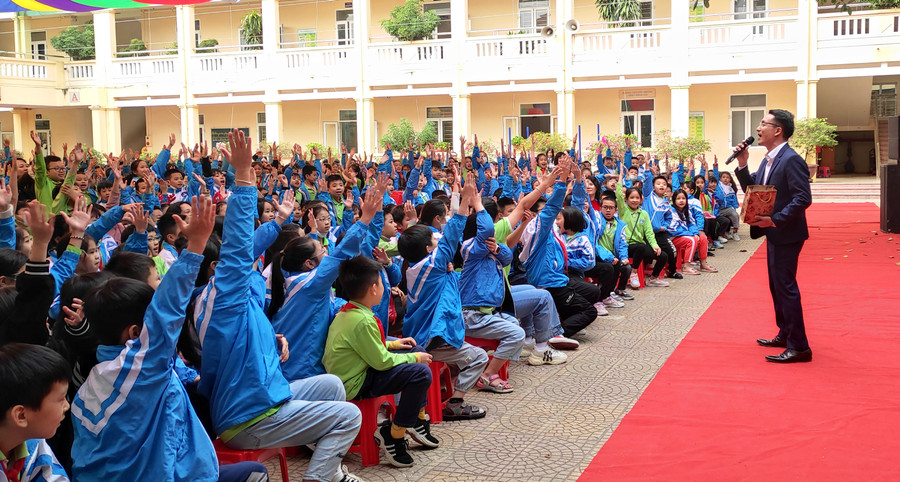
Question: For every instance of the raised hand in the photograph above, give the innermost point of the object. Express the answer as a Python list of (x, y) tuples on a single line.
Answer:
[(37, 142), (409, 212), (372, 203), (241, 157), (6, 194), (202, 223), (80, 218), (284, 206), (171, 141), (311, 222), (141, 219), (75, 315), (380, 255), (77, 154)]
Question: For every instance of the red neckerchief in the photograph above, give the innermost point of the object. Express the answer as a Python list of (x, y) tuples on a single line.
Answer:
[(351, 306), (12, 473)]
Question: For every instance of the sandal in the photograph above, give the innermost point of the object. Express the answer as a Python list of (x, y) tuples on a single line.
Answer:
[(690, 271), (487, 384), (462, 411), (709, 269)]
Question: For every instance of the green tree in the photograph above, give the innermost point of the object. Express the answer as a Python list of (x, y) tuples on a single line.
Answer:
[(76, 42), (410, 21), (208, 45), (403, 132), (136, 48), (810, 133), (428, 134), (251, 31), (619, 12)]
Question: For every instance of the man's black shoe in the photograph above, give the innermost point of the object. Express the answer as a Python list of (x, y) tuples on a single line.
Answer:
[(791, 356), (777, 342)]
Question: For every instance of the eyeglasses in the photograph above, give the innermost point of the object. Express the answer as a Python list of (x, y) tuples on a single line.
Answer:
[(764, 123), (60, 168), (608, 208)]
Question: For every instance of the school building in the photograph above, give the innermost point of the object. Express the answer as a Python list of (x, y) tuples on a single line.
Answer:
[(328, 72)]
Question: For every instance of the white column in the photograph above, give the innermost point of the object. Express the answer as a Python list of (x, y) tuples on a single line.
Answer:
[(807, 71), (190, 124), (113, 130), (271, 24), (104, 44), (565, 112), (565, 94), (98, 127), (461, 118), (274, 122), (190, 113), (22, 33), (23, 124), (365, 123), (365, 109), (680, 105)]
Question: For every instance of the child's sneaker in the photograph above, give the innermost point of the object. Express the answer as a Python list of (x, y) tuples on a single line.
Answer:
[(657, 282), (394, 447), (547, 357), (730, 236), (718, 244), (625, 295), (736, 236), (526, 350), (634, 281), (611, 302), (421, 433), (560, 342), (344, 475), (721, 240), (601, 310), (615, 296)]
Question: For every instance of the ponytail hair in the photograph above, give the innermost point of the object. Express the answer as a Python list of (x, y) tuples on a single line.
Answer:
[(291, 258)]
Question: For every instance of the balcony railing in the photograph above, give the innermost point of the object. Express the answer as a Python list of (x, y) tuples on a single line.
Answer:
[(25, 69), (144, 70), (747, 33), (510, 47), (864, 37), (317, 57), (410, 55)]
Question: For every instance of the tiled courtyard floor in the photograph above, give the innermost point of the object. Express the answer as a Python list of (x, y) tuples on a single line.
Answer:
[(559, 416)]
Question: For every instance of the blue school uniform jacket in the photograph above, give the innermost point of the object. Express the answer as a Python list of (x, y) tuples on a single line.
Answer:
[(433, 303), (482, 280), (581, 253), (543, 248), (132, 416), (306, 314), (390, 275), (683, 227), (241, 374), (660, 212)]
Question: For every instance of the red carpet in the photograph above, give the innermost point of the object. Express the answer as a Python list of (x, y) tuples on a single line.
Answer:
[(718, 411)]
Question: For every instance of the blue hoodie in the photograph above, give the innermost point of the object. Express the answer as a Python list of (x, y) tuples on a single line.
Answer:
[(241, 373), (542, 250), (433, 305), (482, 280), (132, 417), (306, 314)]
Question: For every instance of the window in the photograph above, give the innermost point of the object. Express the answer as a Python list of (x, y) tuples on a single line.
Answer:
[(647, 13), (201, 120), (196, 33), (638, 119), (42, 128), (743, 7), (442, 10), (39, 45), (534, 118), (261, 127), (344, 26), (534, 15), (443, 122), (884, 100), (746, 112), (347, 131)]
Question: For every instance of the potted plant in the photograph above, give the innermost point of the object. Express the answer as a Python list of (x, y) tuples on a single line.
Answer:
[(136, 48), (810, 134), (251, 31), (76, 42), (410, 22), (208, 45)]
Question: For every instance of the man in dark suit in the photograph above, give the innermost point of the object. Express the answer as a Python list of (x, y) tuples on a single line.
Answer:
[(785, 230)]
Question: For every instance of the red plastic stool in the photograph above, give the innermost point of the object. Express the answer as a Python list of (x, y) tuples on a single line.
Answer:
[(434, 406), (640, 273), (364, 444), (489, 345), (233, 456), (824, 171)]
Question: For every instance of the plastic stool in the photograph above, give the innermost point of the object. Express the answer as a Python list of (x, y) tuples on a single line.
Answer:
[(490, 345), (824, 171), (434, 406), (364, 444), (232, 456)]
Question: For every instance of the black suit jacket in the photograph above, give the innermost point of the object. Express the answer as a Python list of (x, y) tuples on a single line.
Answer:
[(790, 176)]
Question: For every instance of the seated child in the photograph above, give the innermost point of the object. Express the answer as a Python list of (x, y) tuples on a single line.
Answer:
[(357, 352), (686, 236), (33, 403), (434, 312)]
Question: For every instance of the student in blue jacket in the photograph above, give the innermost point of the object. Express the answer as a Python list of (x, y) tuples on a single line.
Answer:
[(132, 401), (434, 311), (251, 403), (660, 211), (686, 235), (545, 261)]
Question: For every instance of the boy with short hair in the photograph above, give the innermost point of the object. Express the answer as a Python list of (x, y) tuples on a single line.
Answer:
[(357, 352), (334, 198), (434, 311), (35, 380)]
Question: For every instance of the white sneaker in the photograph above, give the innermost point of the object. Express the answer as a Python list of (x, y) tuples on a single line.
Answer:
[(736, 237), (657, 282), (722, 240), (581, 332), (560, 342), (612, 303), (601, 309), (615, 296), (527, 349), (344, 475), (730, 235), (634, 281), (547, 357)]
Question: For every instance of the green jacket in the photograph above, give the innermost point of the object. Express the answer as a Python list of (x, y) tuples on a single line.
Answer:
[(354, 344), (43, 187), (638, 226)]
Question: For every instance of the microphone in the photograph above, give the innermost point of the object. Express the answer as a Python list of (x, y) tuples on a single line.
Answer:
[(747, 143)]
